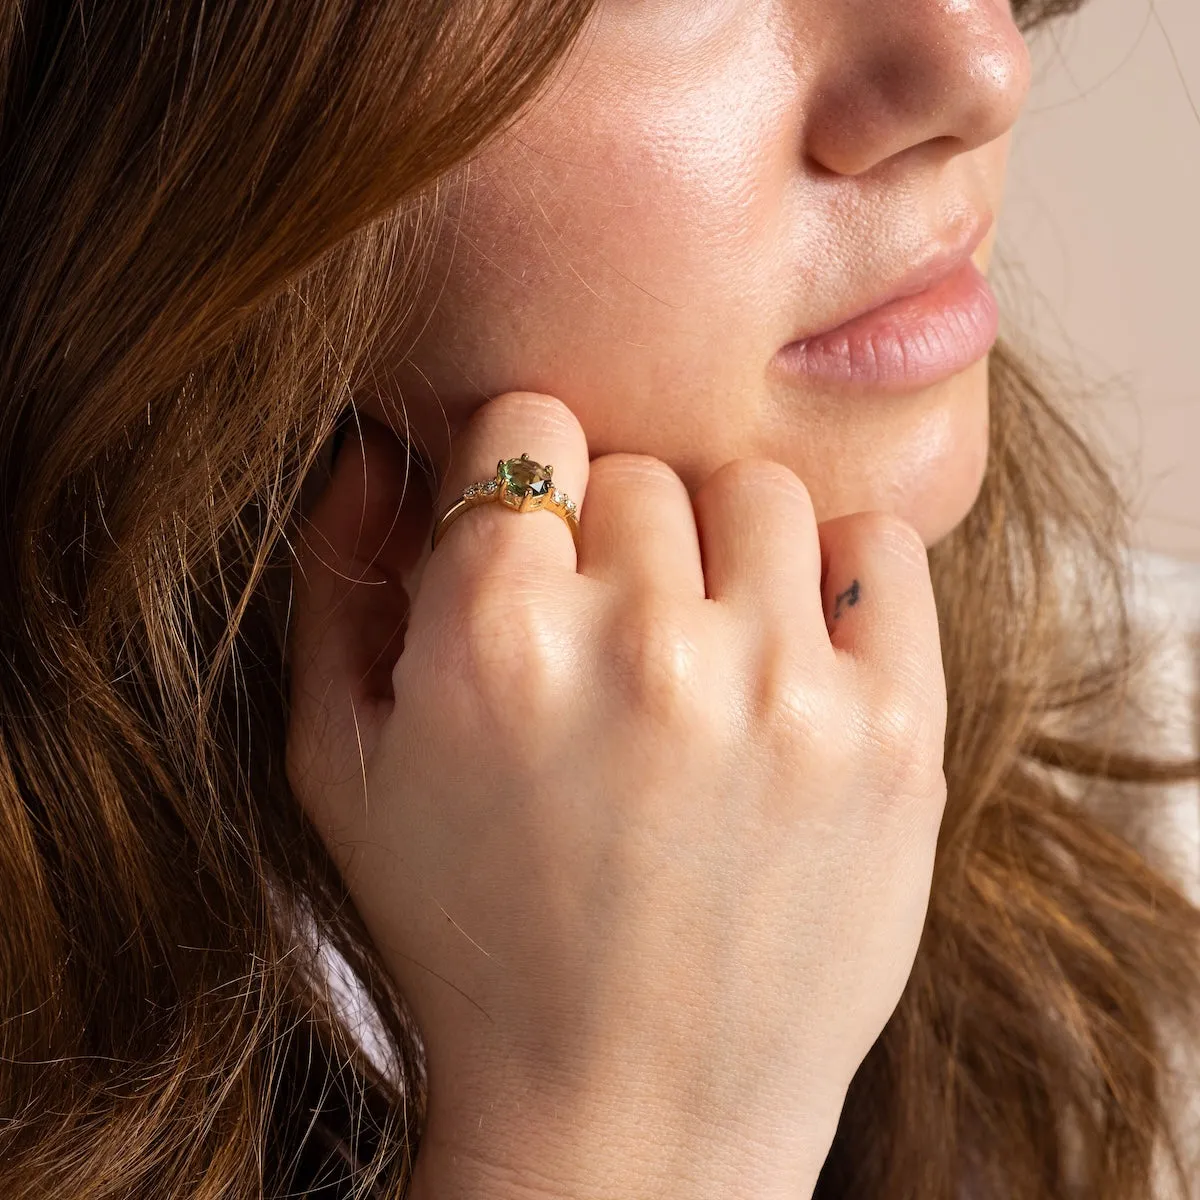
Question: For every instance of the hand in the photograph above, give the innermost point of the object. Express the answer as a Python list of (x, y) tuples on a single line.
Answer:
[(645, 838)]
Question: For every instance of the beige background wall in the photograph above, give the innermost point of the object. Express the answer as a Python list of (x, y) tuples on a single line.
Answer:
[(1098, 252)]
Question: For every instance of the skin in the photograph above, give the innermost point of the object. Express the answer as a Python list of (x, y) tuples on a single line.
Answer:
[(698, 777), (705, 181)]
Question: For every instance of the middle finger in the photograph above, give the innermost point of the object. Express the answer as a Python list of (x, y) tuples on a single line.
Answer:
[(637, 529)]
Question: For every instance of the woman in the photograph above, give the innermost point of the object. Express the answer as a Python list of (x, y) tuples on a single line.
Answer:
[(714, 836)]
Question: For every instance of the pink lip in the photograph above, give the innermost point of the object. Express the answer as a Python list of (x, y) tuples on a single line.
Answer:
[(908, 343)]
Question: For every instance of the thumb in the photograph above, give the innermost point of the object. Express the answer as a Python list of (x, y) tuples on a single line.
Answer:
[(349, 608)]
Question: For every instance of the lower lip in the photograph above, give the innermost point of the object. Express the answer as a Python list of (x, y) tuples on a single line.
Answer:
[(908, 344)]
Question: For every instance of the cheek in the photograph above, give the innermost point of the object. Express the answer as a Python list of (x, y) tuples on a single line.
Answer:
[(643, 255), (604, 284), (627, 228), (646, 220), (666, 164)]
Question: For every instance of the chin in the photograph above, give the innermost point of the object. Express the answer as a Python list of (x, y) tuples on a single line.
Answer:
[(937, 473), (958, 481), (947, 520)]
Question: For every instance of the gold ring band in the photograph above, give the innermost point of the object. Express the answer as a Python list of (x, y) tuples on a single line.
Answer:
[(520, 484)]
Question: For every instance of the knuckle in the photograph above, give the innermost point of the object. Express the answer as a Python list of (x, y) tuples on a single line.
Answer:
[(759, 474), (538, 410), (898, 725), (628, 468), (800, 717), (656, 662), (832, 734), (893, 534), (903, 734), (788, 701), (503, 646)]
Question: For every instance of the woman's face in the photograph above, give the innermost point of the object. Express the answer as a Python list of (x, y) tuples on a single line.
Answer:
[(705, 182)]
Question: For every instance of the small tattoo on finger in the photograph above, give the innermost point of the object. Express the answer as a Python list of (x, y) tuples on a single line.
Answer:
[(851, 595)]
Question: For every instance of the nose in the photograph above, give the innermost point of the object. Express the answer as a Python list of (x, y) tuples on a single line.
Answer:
[(905, 73)]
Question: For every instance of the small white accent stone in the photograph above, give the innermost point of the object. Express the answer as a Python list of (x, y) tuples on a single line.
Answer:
[(489, 487)]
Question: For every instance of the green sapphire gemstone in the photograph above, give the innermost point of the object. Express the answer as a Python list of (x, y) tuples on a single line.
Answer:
[(523, 477)]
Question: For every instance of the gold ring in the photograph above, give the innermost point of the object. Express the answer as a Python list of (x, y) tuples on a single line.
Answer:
[(520, 484)]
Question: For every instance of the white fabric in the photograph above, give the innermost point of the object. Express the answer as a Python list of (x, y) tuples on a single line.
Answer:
[(1167, 601), (1160, 716)]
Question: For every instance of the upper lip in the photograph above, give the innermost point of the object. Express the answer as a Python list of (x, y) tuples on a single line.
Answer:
[(932, 269)]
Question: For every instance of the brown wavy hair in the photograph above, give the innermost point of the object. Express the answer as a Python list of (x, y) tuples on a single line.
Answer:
[(207, 212)]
